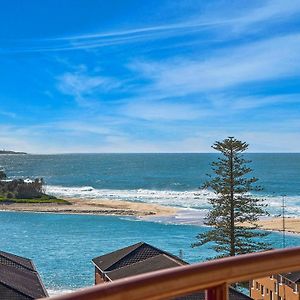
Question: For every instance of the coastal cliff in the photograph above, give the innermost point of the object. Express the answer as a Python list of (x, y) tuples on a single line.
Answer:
[(11, 152)]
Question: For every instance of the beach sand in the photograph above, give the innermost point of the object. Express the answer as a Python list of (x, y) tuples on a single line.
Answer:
[(135, 209), (292, 225), (96, 207)]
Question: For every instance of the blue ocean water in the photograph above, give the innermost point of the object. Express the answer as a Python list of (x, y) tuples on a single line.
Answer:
[(278, 173), (62, 246), (169, 179)]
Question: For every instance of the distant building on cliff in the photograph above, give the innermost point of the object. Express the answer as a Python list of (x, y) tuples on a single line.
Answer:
[(142, 258), (277, 287), (19, 279)]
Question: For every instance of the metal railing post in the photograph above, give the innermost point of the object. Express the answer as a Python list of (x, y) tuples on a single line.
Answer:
[(219, 292)]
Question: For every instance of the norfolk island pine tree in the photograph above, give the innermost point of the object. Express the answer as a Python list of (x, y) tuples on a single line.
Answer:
[(234, 211)]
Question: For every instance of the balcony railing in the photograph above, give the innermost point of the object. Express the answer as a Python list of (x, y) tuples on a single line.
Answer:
[(213, 277)]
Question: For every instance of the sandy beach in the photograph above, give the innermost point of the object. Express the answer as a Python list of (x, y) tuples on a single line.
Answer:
[(95, 206), (292, 225), (135, 209)]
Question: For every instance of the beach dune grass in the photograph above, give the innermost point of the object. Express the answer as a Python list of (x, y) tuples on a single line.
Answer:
[(42, 199)]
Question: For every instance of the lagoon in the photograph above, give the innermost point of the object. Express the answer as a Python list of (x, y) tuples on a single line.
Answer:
[(62, 245)]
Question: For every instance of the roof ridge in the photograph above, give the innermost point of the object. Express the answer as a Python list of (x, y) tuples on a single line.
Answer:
[(169, 254), (141, 244), (151, 264), (42, 284), (138, 245), (1, 251), (135, 263), (9, 256)]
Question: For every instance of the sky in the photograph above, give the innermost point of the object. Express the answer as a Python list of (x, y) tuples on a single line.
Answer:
[(149, 76)]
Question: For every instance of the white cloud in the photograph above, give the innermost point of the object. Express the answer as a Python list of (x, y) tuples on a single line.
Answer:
[(83, 86), (215, 17), (266, 141), (261, 61), (154, 111), (242, 19), (192, 139), (230, 103), (268, 11), (8, 114), (83, 128)]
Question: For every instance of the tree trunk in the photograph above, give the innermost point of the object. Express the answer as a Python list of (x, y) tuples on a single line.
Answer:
[(232, 233)]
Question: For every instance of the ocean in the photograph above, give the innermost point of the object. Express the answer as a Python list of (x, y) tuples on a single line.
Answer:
[(169, 179), (62, 246)]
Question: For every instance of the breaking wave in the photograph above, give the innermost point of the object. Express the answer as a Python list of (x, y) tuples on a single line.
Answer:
[(186, 199), (195, 199)]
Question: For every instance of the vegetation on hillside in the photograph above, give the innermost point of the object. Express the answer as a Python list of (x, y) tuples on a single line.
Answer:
[(24, 191)]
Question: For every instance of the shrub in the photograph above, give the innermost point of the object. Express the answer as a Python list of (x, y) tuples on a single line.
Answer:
[(10, 195)]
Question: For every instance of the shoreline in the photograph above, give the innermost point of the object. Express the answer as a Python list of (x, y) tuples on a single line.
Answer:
[(144, 211), (292, 224), (95, 207)]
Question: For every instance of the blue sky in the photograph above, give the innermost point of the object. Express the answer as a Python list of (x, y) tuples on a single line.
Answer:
[(149, 76)]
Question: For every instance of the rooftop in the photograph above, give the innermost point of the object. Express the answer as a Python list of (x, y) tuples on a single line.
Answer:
[(19, 274), (155, 263), (25, 282), (143, 258), (131, 255), (17, 261), (292, 276)]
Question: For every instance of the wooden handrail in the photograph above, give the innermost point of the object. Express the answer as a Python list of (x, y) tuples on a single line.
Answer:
[(184, 280)]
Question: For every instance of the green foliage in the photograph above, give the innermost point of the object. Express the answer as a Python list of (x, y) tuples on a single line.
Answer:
[(18, 188), (45, 199), (2, 175), (20, 191), (234, 211), (31, 190)]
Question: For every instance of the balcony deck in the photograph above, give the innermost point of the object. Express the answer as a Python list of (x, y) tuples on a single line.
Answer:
[(214, 276)]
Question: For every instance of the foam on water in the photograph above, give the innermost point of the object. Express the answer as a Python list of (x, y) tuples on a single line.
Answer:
[(186, 199), (183, 217), (59, 291), (194, 199)]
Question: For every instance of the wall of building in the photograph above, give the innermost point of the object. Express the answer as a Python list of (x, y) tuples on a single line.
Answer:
[(98, 277), (287, 292), (270, 289)]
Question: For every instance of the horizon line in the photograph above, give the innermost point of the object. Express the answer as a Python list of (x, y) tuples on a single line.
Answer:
[(66, 153)]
